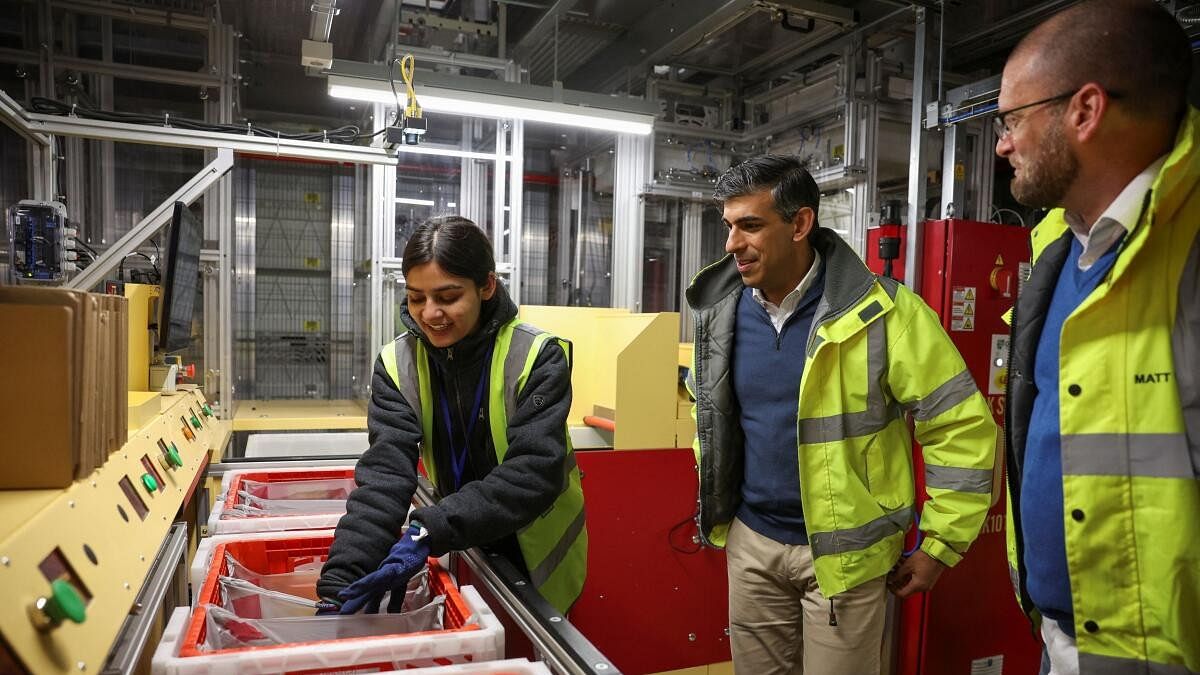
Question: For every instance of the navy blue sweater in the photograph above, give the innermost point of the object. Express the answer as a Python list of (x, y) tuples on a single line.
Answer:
[(766, 379), (1041, 489)]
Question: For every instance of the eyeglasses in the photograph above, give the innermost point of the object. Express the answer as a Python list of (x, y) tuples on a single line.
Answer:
[(1000, 124), (1002, 127)]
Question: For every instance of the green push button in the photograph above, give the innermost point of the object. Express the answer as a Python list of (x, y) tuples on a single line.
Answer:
[(195, 421), (173, 457), (207, 410), (149, 482), (65, 603)]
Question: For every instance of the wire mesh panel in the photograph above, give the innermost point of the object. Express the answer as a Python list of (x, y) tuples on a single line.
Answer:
[(341, 330), (535, 245), (244, 278), (593, 250), (293, 209)]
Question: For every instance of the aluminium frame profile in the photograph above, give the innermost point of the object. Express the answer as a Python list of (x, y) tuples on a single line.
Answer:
[(207, 140), (138, 234), (41, 148)]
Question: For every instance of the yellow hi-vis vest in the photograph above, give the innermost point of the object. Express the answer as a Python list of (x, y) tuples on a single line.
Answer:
[(555, 544), (1130, 447)]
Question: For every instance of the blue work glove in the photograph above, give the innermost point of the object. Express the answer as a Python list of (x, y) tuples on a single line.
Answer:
[(407, 557)]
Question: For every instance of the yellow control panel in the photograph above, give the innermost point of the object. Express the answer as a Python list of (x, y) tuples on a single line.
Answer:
[(72, 560)]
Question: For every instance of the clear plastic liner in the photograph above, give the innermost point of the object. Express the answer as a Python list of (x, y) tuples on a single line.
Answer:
[(249, 601), (226, 630), (301, 582), (251, 506), (315, 489), (418, 594)]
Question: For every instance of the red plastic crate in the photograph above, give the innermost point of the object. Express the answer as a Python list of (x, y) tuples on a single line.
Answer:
[(275, 556), (232, 497)]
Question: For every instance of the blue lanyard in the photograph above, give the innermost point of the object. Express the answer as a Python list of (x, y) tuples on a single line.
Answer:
[(458, 457)]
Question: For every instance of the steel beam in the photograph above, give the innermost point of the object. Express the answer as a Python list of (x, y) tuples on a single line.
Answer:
[(690, 262), (832, 45), (134, 14), (373, 46), (685, 23), (516, 210), (187, 138), (149, 225), (541, 30), (630, 172), (916, 157), (15, 117), (122, 70), (824, 11), (953, 204)]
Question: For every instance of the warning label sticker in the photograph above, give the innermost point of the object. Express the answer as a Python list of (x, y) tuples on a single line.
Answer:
[(962, 308)]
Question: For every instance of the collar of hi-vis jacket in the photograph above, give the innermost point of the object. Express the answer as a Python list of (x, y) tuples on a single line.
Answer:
[(1174, 182), (494, 313), (847, 280)]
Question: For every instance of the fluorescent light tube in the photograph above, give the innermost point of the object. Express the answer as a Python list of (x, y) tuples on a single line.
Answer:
[(476, 104), (414, 202)]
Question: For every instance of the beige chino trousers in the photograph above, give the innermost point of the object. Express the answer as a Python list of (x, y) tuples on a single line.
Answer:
[(780, 623)]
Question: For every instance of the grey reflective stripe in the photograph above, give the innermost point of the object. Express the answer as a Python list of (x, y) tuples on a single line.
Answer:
[(870, 311), (878, 413), (955, 478), (858, 538), (1095, 664), (952, 392), (1185, 350), (523, 336), (406, 368), (1142, 455), (554, 558), (1014, 578)]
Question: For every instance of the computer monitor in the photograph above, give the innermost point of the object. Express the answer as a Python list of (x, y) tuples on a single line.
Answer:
[(180, 282)]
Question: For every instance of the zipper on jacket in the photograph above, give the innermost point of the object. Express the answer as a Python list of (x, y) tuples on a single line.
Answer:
[(832, 614)]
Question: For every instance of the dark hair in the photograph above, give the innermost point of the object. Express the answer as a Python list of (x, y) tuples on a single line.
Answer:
[(1132, 47), (456, 244), (791, 185)]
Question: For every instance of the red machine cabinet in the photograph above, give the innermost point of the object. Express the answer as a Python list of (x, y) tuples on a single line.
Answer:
[(970, 621)]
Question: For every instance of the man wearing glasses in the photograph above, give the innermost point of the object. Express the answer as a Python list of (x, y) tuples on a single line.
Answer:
[(1104, 383)]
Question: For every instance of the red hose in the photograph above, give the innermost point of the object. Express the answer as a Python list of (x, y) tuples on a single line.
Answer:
[(600, 423)]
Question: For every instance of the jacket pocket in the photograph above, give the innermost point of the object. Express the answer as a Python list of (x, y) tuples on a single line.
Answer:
[(889, 476)]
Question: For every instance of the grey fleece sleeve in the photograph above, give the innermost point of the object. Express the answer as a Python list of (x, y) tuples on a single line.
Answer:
[(387, 478), (529, 479)]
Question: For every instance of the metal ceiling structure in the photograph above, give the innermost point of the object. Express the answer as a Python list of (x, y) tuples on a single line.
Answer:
[(603, 46)]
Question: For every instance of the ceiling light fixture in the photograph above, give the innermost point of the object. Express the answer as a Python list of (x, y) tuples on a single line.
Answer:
[(479, 97)]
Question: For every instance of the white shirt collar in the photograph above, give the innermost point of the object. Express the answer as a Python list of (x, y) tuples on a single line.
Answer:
[(779, 313), (1120, 216)]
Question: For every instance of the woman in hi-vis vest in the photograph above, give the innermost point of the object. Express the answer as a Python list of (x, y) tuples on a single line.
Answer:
[(482, 400)]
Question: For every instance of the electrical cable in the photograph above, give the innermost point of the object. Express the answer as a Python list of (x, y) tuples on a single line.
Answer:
[(121, 267), (344, 134), (696, 546), (84, 244), (407, 67)]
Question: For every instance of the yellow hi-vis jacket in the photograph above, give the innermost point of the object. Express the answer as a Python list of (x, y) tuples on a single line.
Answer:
[(876, 350), (555, 544), (1130, 428)]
